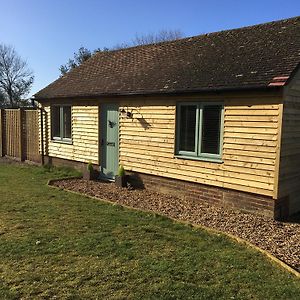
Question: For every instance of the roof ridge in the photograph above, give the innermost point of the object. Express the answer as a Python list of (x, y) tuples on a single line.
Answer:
[(242, 57), (198, 35), (182, 40), (252, 26)]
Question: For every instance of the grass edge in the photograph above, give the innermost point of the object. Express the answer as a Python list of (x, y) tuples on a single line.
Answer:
[(198, 226)]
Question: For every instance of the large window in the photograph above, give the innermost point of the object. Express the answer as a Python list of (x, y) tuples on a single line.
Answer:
[(61, 123), (199, 130)]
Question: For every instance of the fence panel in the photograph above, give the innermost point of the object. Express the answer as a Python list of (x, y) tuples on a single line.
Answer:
[(19, 134), (12, 133), (31, 136), (1, 133)]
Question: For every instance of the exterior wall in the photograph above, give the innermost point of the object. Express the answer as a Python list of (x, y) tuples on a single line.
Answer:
[(85, 136), (289, 175), (250, 143), (248, 176)]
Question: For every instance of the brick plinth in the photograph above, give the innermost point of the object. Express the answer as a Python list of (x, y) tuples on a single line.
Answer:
[(259, 204), (60, 162)]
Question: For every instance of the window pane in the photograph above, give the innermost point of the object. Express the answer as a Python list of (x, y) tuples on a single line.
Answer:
[(67, 122), (187, 129), (211, 124), (55, 121)]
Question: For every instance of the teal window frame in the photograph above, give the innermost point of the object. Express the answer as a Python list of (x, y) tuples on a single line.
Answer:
[(61, 137), (198, 154)]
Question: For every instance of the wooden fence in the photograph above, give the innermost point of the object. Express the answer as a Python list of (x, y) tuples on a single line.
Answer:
[(19, 134)]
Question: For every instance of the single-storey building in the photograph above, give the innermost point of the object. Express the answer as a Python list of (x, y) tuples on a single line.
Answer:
[(214, 117)]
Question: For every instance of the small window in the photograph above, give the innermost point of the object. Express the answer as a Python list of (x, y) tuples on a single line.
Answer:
[(61, 123), (188, 120), (211, 128), (199, 130), (55, 113)]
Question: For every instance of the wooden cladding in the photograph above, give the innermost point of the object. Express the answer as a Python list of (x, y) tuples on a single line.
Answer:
[(289, 170), (147, 141), (19, 134), (249, 145), (85, 136)]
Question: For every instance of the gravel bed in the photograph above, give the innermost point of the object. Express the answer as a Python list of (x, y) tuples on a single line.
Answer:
[(280, 239)]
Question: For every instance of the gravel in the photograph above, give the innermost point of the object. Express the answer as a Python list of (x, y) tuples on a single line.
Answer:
[(282, 239)]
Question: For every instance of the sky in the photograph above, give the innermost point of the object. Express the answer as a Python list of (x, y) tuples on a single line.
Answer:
[(46, 33)]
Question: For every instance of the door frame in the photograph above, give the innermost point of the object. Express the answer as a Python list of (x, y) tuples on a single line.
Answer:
[(102, 136)]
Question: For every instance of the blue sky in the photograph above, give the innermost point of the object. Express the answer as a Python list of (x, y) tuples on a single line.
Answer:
[(47, 32)]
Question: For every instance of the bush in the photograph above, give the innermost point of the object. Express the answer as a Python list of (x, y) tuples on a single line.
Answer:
[(121, 171), (90, 167)]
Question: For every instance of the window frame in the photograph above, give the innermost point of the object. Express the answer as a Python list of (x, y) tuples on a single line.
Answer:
[(197, 154), (61, 138)]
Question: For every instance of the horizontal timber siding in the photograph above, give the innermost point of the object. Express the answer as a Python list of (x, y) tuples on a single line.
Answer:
[(249, 144), (289, 174), (85, 136)]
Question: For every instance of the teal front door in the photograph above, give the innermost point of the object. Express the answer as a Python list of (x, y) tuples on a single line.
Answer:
[(109, 140)]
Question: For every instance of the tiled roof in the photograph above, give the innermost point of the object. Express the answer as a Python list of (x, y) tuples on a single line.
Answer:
[(251, 57)]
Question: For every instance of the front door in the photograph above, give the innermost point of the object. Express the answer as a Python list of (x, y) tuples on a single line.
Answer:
[(109, 140)]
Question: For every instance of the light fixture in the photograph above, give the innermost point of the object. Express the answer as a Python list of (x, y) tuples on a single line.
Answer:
[(126, 114)]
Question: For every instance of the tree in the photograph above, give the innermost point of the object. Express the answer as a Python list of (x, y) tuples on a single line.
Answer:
[(84, 54), (81, 56), (2, 99), (161, 36), (15, 77), (153, 38)]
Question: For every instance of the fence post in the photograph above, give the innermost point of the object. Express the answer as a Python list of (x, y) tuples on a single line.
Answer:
[(21, 138), (42, 135), (1, 134)]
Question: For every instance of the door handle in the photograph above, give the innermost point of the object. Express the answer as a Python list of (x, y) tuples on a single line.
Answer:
[(111, 144)]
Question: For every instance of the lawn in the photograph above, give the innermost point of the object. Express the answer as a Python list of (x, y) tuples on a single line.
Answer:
[(54, 244)]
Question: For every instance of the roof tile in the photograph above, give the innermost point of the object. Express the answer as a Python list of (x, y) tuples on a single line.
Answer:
[(240, 58)]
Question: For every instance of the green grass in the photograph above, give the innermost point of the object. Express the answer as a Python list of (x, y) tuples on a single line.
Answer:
[(54, 243)]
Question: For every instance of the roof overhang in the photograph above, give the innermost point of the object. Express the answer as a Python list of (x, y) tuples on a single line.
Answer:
[(273, 88)]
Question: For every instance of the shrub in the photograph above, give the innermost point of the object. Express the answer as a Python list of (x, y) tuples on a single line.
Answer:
[(90, 167), (121, 171)]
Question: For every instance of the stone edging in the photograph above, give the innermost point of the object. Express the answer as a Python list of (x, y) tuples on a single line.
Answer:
[(211, 230), (51, 181)]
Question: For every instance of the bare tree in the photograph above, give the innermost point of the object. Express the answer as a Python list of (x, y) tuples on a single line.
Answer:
[(151, 38), (15, 77), (2, 99), (161, 36)]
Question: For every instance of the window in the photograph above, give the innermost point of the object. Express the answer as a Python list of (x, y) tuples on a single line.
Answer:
[(61, 123), (199, 130)]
